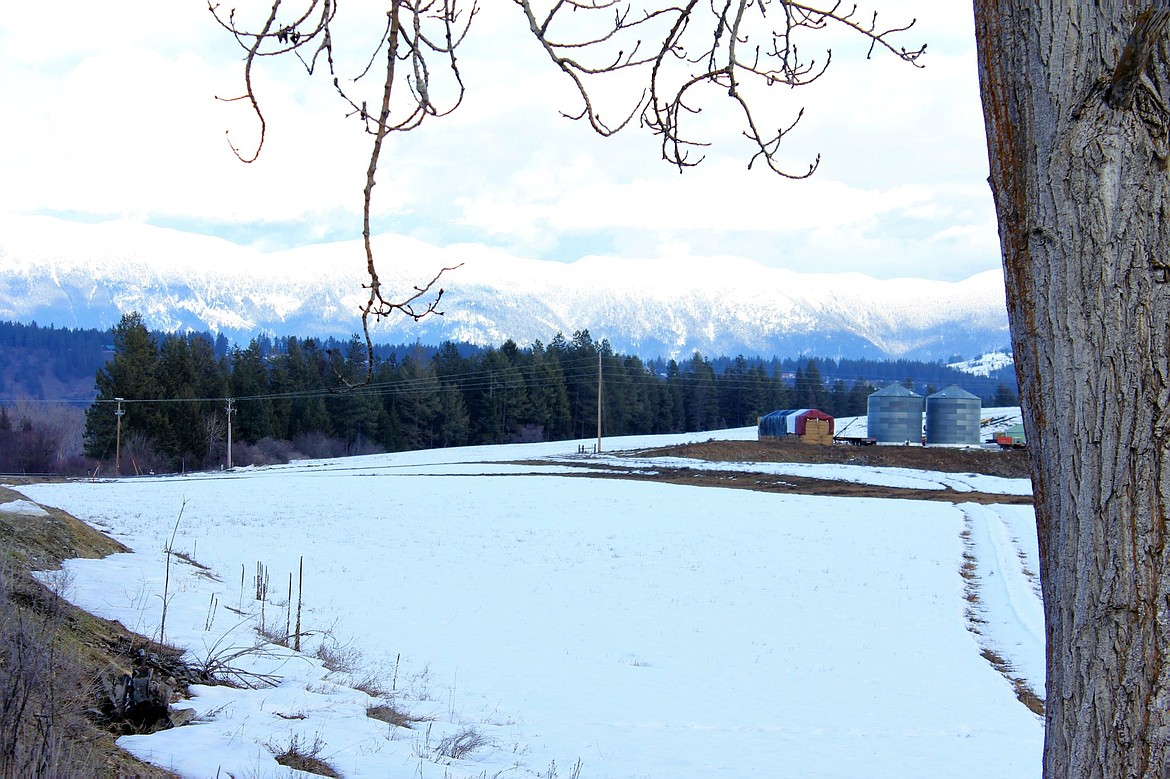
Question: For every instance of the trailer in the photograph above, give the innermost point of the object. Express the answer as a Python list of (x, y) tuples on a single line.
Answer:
[(1011, 438), (855, 440)]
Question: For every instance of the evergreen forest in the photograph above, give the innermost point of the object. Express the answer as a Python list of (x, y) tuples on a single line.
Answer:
[(162, 398)]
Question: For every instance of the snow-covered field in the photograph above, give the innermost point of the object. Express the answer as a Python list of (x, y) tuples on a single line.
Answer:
[(581, 626)]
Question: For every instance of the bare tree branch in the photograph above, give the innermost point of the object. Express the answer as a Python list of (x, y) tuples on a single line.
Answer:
[(420, 34), (674, 51), (688, 47)]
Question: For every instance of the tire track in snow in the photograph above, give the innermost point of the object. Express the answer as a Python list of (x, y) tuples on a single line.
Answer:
[(1004, 610)]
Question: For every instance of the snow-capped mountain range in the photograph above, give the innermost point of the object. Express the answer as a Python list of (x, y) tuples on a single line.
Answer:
[(71, 274)]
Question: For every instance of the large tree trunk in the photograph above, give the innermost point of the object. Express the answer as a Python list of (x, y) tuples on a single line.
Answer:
[(1078, 151)]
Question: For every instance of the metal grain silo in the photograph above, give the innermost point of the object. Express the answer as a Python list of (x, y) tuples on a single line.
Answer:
[(894, 415), (952, 417)]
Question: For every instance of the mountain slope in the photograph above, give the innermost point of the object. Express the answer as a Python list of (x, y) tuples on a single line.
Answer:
[(87, 275)]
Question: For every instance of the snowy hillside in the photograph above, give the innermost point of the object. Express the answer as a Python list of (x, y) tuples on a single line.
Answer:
[(985, 364), (585, 627), (86, 275)]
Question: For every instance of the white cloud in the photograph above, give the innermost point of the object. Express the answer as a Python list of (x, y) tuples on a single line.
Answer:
[(720, 197), (117, 115)]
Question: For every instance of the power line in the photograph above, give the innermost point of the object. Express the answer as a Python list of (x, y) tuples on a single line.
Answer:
[(551, 372)]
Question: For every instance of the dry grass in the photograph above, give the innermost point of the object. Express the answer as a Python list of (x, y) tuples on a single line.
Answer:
[(1024, 692), (337, 657), (43, 543), (301, 757), (371, 684), (969, 571), (55, 658), (200, 569), (463, 743), (42, 688), (273, 635), (392, 715)]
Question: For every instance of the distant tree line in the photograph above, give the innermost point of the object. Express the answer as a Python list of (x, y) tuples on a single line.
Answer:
[(286, 400), (38, 362), (26, 447), (286, 403)]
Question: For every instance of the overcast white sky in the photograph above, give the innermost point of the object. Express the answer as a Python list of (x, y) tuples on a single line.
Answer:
[(110, 111)]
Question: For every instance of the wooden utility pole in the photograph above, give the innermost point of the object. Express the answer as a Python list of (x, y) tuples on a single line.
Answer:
[(229, 433), (118, 412), (599, 401)]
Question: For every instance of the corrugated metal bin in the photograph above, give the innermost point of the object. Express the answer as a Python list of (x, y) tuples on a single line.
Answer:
[(894, 415), (952, 417)]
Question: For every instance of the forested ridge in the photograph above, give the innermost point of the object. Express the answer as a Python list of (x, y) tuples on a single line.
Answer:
[(289, 397), (48, 362)]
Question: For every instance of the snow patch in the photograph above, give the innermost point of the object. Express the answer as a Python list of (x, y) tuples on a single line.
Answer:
[(23, 508)]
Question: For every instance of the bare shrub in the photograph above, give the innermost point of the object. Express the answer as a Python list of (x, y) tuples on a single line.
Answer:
[(371, 684), (528, 434), (64, 423), (574, 770), (39, 437), (220, 664), (348, 659), (363, 446), (42, 689), (389, 713), (463, 743), (318, 446), (77, 465), (274, 634), (26, 448), (338, 657), (266, 451), (301, 757), (140, 455)]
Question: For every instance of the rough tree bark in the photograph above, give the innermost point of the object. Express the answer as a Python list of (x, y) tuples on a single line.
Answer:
[(1074, 95)]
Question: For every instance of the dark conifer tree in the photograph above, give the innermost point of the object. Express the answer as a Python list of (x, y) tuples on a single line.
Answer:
[(353, 415), (580, 365), (701, 397), (131, 375), (249, 386), (810, 391), (305, 366), (673, 414), (549, 396), (454, 423), (416, 398), (734, 403)]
